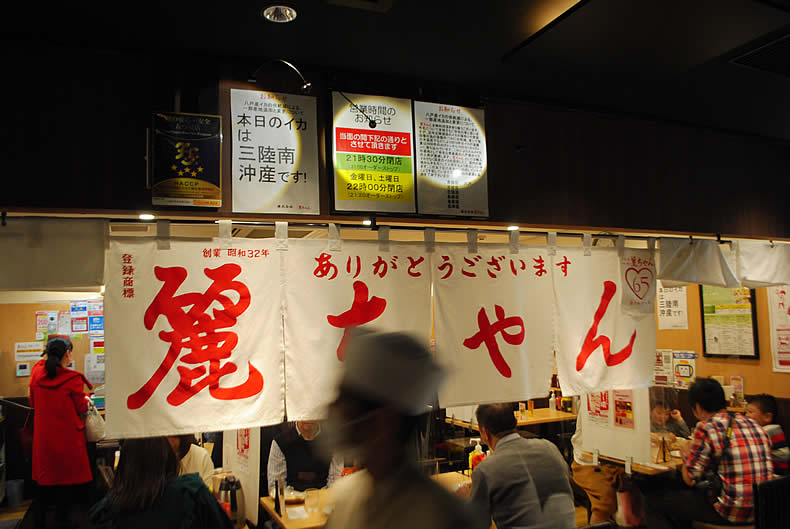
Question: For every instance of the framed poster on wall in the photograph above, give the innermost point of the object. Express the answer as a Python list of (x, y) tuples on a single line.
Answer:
[(729, 322)]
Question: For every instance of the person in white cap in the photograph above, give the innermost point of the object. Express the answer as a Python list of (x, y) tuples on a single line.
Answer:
[(389, 380)]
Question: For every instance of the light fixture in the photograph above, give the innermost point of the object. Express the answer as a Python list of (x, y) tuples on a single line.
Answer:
[(512, 228), (367, 222), (279, 14), (146, 216)]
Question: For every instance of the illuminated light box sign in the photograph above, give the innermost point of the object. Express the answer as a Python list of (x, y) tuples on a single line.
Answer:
[(187, 150), (452, 176), (373, 166), (275, 153)]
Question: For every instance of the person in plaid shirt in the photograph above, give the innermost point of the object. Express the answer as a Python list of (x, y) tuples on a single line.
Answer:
[(746, 461)]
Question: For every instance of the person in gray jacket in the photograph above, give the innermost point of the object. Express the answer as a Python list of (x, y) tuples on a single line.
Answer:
[(524, 482)]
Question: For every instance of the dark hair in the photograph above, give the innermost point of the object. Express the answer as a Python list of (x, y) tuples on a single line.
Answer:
[(766, 403), (708, 393), (664, 397), (496, 418), (145, 467), (57, 348), (185, 442)]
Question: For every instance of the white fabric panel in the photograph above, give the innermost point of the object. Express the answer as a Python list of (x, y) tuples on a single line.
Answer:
[(392, 291), (762, 264), (186, 352), (510, 297), (600, 346), (52, 254), (697, 261), (601, 432)]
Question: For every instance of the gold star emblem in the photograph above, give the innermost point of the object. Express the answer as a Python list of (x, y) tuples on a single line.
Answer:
[(200, 169), (173, 167), (194, 173), (181, 173)]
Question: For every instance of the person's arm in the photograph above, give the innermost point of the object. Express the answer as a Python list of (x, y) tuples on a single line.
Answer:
[(680, 429), (79, 397), (276, 467), (335, 469), (479, 495), (210, 514), (779, 449), (698, 456)]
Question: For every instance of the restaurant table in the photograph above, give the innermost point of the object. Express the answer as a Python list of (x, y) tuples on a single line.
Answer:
[(651, 469), (314, 520), (540, 416)]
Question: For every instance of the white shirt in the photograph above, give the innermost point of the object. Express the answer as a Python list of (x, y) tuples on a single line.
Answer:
[(276, 467), (198, 460)]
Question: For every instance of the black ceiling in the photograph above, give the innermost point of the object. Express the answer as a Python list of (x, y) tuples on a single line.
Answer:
[(713, 63)]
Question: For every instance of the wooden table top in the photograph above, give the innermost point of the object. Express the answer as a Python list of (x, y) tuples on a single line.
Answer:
[(539, 416), (653, 469), (315, 520)]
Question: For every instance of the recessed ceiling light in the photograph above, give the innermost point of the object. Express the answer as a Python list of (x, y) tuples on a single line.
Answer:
[(279, 14), (367, 222), (146, 216), (512, 228)]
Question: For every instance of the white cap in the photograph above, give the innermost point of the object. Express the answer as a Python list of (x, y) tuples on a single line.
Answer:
[(392, 368)]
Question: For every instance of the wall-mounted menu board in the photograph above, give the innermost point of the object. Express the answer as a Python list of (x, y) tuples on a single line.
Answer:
[(729, 322), (452, 175)]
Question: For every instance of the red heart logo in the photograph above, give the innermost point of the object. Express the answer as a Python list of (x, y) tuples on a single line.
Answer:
[(639, 281)]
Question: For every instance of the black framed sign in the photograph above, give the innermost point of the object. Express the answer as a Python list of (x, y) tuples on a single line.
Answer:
[(729, 322)]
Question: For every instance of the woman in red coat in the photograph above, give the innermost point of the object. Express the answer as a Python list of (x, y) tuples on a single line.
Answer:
[(60, 457)]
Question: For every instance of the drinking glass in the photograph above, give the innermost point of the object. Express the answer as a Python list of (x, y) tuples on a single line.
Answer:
[(311, 500)]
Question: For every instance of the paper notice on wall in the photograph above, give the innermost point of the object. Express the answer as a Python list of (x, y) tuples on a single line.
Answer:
[(94, 368), (41, 324), (685, 367), (671, 308), (736, 381), (79, 316), (28, 351), (598, 408), (64, 322), (624, 408), (242, 449), (97, 346), (662, 371), (779, 317)]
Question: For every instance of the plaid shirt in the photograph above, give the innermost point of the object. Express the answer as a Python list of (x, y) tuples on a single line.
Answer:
[(746, 461)]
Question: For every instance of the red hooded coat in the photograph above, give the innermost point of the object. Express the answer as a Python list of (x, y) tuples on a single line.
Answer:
[(59, 453)]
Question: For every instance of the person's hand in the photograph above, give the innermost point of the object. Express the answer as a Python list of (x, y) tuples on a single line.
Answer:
[(688, 479), (685, 449), (676, 415), (464, 490)]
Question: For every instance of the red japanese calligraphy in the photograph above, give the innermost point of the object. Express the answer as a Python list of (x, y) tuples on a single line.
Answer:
[(487, 334), (359, 265), (513, 266), (472, 263), (380, 267), (540, 266), (325, 266), (414, 263), (362, 311), (446, 267), (592, 342), (394, 262), (126, 258), (197, 332), (564, 265), (494, 262)]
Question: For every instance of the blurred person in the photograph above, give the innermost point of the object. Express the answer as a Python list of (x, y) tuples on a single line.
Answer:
[(524, 482), (148, 492), (664, 417), (763, 410), (60, 458), (293, 456), (193, 459), (745, 462), (389, 381)]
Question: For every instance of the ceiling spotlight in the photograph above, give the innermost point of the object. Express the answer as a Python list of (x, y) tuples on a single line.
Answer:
[(279, 14), (367, 222), (512, 228), (146, 216)]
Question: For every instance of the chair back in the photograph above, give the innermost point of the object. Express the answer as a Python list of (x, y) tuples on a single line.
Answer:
[(771, 509)]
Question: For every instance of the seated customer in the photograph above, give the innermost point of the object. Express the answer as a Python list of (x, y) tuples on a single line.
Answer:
[(524, 482), (293, 455), (762, 408), (194, 459), (746, 461), (663, 415), (148, 492)]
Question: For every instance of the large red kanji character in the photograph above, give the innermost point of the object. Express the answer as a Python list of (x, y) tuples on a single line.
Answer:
[(126, 258), (472, 263), (592, 342), (325, 266), (487, 334), (495, 263), (414, 263), (380, 267), (362, 311), (564, 265), (348, 266), (197, 332), (446, 265), (540, 266)]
